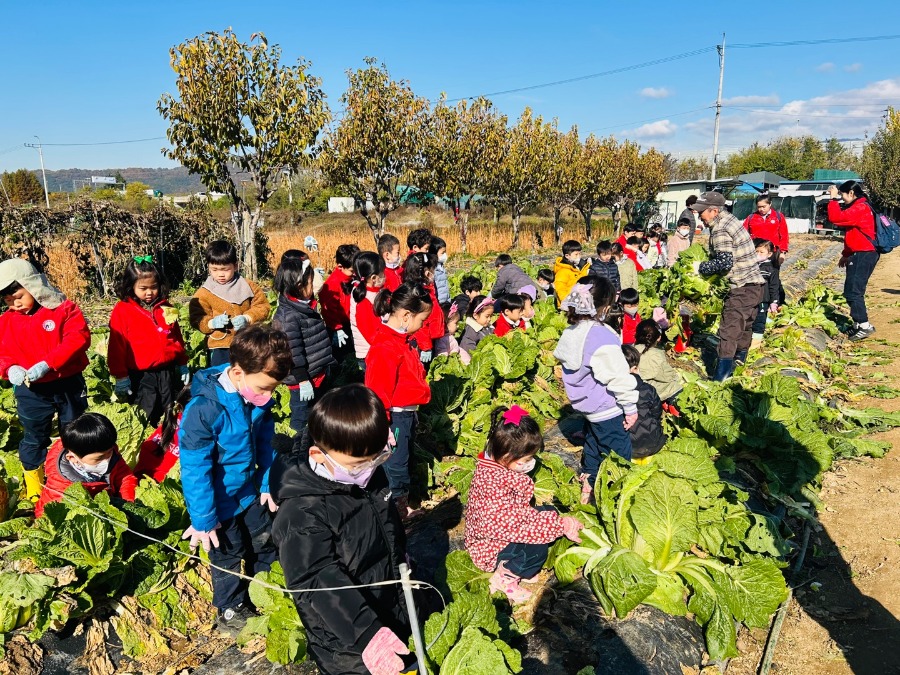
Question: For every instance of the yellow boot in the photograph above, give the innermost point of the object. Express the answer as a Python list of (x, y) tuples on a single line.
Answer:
[(34, 483)]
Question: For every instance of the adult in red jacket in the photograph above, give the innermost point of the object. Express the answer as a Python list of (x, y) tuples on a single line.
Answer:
[(768, 224), (118, 479), (854, 215)]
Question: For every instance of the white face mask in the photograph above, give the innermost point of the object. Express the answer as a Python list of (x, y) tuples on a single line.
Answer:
[(631, 312), (527, 467), (544, 286), (684, 233), (392, 264), (91, 471), (575, 261), (762, 258), (442, 258)]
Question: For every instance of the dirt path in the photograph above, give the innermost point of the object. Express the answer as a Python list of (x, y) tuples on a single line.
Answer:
[(845, 617)]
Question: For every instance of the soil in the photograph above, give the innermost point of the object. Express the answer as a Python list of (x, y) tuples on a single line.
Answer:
[(845, 614)]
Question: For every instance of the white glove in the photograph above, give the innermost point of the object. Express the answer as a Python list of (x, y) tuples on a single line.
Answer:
[(306, 391), (206, 538), (37, 371), (185, 373), (266, 500), (425, 356), (240, 321), (341, 338), (696, 266), (16, 375), (219, 322)]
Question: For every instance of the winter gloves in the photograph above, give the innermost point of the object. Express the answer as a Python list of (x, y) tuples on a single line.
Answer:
[(37, 371), (17, 375), (382, 655), (219, 322), (240, 321), (306, 391)]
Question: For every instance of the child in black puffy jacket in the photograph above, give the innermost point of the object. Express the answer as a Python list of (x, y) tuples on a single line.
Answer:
[(647, 437), (337, 526), (310, 343)]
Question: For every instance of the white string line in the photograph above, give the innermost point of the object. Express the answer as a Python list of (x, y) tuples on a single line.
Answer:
[(265, 584)]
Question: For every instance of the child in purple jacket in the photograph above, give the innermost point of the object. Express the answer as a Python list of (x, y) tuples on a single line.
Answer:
[(596, 375)]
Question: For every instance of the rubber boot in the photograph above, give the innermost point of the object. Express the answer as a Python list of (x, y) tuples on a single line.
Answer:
[(740, 358), (34, 483), (724, 368)]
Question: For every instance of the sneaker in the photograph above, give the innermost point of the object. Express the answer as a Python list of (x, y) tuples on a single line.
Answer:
[(232, 620), (860, 333)]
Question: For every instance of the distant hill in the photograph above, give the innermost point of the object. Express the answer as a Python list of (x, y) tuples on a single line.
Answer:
[(174, 181)]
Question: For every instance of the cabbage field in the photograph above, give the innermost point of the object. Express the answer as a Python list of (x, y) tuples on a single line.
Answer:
[(706, 530)]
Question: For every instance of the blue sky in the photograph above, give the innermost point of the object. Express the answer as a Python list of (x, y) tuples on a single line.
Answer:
[(84, 72)]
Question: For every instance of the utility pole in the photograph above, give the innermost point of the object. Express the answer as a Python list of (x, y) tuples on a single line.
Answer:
[(40, 150), (715, 159)]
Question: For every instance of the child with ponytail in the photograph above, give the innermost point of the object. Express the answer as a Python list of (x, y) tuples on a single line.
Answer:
[(505, 533), (311, 347), (419, 269), (369, 269), (395, 372), (146, 350), (160, 452)]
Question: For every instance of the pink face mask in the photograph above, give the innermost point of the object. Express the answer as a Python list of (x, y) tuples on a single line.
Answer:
[(259, 400)]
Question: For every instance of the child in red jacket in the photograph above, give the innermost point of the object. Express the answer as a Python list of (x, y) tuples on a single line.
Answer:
[(389, 250), (86, 453), (629, 299), (395, 372), (43, 352), (509, 309), (146, 350), (419, 269), (370, 271), (334, 299), (505, 534), (160, 453)]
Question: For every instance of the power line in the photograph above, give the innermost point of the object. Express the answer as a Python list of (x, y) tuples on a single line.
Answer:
[(136, 140), (825, 41), (581, 78), (652, 119), (812, 116)]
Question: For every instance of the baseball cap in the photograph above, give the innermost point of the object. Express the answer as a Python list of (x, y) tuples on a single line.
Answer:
[(709, 200)]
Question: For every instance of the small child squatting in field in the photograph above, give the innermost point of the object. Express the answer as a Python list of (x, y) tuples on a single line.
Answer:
[(337, 526), (44, 340), (226, 453), (647, 437), (226, 302), (470, 287), (160, 453), (655, 368), (510, 277), (509, 309), (504, 532), (146, 351), (86, 453), (596, 376)]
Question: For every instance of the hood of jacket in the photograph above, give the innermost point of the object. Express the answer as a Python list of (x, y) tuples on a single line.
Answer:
[(570, 349)]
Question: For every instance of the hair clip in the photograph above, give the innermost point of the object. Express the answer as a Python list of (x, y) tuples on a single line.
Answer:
[(143, 259), (454, 309), (514, 415), (304, 266)]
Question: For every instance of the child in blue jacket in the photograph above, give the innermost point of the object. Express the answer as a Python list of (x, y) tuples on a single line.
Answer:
[(226, 452)]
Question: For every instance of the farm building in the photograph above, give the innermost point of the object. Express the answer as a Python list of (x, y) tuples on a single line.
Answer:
[(671, 200)]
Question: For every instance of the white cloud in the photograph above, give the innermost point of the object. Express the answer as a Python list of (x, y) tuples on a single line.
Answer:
[(656, 92), (844, 114), (660, 129), (771, 99), (826, 67), (853, 68)]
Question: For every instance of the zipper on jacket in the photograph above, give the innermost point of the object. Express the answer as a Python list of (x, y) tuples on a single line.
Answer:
[(394, 564)]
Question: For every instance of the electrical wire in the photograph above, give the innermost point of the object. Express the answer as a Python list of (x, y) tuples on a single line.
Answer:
[(804, 43), (803, 116), (136, 140), (652, 119), (581, 78)]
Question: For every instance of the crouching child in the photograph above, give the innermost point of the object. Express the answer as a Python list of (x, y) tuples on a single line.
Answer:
[(86, 453), (337, 526), (226, 453)]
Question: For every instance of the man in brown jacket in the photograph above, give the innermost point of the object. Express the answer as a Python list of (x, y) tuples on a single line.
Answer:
[(731, 252), (226, 302)]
